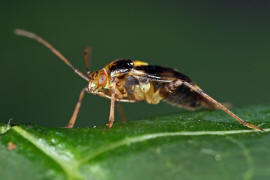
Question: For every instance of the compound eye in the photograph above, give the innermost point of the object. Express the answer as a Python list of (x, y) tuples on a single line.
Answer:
[(102, 79)]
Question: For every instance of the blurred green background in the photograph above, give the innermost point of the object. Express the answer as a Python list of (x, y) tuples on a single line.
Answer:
[(224, 46)]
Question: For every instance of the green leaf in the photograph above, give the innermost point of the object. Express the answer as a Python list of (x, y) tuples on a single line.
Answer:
[(189, 145)]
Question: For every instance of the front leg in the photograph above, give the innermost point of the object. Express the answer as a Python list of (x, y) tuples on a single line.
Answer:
[(111, 116), (76, 110)]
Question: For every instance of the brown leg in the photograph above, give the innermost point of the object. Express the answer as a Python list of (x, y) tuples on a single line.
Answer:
[(111, 117), (76, 110), (121, 112), (222, 107)]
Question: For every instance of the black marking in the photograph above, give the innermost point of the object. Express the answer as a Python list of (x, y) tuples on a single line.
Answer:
[(160, 72), (121, 66)]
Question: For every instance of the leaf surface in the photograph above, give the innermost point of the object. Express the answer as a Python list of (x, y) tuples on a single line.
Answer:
[(189, 145)]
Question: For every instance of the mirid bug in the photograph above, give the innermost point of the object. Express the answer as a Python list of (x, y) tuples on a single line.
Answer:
[(125, 80)]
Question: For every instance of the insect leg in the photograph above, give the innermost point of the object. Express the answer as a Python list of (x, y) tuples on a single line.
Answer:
[(111, 116), (101, 94), (222, 107), (87, 56), (31, 35), (76, 110), (121, 112)]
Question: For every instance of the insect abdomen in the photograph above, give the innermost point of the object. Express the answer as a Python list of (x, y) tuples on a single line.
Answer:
[(182, 96), (141, 89)]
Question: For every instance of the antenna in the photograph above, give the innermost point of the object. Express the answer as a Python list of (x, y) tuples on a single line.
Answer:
[(31, 35)]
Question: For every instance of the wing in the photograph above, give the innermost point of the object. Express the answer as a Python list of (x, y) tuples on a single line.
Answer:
[(140, 69), (163, 78), (159, 73)]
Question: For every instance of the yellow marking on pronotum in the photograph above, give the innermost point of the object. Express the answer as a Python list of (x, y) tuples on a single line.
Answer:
[(139, 63)]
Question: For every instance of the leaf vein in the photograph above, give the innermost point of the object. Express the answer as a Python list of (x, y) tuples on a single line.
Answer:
[(132, 140), (67, 164)]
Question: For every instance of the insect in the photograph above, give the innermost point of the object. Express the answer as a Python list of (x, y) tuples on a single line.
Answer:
[(125, 80)]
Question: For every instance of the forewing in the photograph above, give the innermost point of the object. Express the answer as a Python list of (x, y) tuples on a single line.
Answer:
[(163, 78), (159, 73)]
